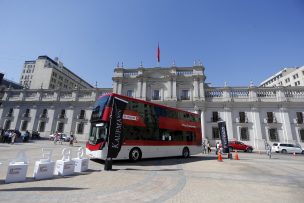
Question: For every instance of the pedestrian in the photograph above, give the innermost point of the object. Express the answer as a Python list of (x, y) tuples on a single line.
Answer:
[(209, 147), (71, 139), (57, 137), (13, 137), (217, 147), (204, 150), (268, 149)]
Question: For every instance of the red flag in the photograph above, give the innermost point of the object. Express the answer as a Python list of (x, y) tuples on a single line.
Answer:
[(158, 53)]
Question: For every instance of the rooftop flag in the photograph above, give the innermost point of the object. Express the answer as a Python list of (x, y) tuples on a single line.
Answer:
[(158, 54)]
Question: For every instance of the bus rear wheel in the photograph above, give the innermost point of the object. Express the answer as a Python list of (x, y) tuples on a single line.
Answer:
[(135, 154), (186, 152)]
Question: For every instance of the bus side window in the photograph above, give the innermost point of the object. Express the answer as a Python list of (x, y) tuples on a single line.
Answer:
[(166, 136)]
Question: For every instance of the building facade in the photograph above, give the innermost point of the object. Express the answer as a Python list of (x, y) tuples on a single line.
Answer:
[(252, 114), (287, 77), (46, 73)]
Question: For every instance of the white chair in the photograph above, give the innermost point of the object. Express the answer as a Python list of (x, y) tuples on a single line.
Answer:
[(81, 164), (44, 169), (17, 169), (65, 166)]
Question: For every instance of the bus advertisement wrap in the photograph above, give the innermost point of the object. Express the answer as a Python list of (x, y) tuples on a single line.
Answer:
[(224, 136), (116, 136)]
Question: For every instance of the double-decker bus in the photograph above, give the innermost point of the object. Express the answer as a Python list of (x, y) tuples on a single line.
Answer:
[(150, 130)]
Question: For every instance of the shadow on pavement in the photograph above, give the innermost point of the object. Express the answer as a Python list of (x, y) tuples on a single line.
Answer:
[(41, 189), (159, 161)]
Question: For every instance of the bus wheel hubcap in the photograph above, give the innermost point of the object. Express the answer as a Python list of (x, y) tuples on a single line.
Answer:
[(135, 154)]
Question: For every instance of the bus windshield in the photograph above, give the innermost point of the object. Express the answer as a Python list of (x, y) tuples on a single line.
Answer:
[(99, 107), (98, 133)]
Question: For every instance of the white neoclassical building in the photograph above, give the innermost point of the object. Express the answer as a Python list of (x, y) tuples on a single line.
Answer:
[(252, 114)]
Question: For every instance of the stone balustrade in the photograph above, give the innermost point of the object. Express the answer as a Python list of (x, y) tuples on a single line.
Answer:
[(223, 94)]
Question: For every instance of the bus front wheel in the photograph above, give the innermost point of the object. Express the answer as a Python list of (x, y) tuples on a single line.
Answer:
[(186, 152), (135, 154)]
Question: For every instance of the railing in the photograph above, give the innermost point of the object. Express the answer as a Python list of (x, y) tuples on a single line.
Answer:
[(184, 72), (214, 94), (129, 74)]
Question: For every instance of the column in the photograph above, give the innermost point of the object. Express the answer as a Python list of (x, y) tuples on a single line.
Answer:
[(119, 88), (203, 124), (174, 90), (144, 90), (286, 125), (195, 85), (202, 90), (258, 141), (138, 89), (114, 86), (228, 119), (169, 87), (32, 124)]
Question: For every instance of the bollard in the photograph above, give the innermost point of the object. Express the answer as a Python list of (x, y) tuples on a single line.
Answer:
[(108, 165)]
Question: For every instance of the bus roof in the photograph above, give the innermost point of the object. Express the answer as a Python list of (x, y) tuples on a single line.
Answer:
[(146, 102)]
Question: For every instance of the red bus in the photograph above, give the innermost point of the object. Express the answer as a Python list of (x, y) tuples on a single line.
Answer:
[(150, 130)]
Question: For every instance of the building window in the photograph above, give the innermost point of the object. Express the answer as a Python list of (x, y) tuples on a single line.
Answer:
[(244, 134), (295, 76), (10, 112), (269, 117), (44, 113), (130, 93), (299, 117), (7, 124), (27, 113), (242, 117), (215, 133), (80, 128), (60, 127), (301, 133), (156, 95), (273, 135), (62, 114), (41, 126), (215, 116), (185, 95), (287, 80), (297, 83), (81, 115), (24, 126)]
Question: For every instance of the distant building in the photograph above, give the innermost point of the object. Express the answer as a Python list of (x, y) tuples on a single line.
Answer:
[(5, 83), (287, 77), (46, 73)]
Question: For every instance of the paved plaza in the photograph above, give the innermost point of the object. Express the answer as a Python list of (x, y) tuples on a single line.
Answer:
[(201, 178)]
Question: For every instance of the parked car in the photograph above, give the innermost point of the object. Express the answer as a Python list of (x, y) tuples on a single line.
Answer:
[(287, 148), (64, 137), (237, 145)]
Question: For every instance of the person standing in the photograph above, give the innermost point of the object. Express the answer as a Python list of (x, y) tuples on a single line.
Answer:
[(204, 147), (209, 147), (217, 147), (71, 139), (13, 137)]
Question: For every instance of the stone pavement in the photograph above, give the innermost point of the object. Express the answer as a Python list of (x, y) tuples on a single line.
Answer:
[(200, 178)]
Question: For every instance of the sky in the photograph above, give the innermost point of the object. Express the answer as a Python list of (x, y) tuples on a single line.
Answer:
[(237, 41)]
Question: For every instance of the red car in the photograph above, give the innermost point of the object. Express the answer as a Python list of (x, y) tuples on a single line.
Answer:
[(237, 145)]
